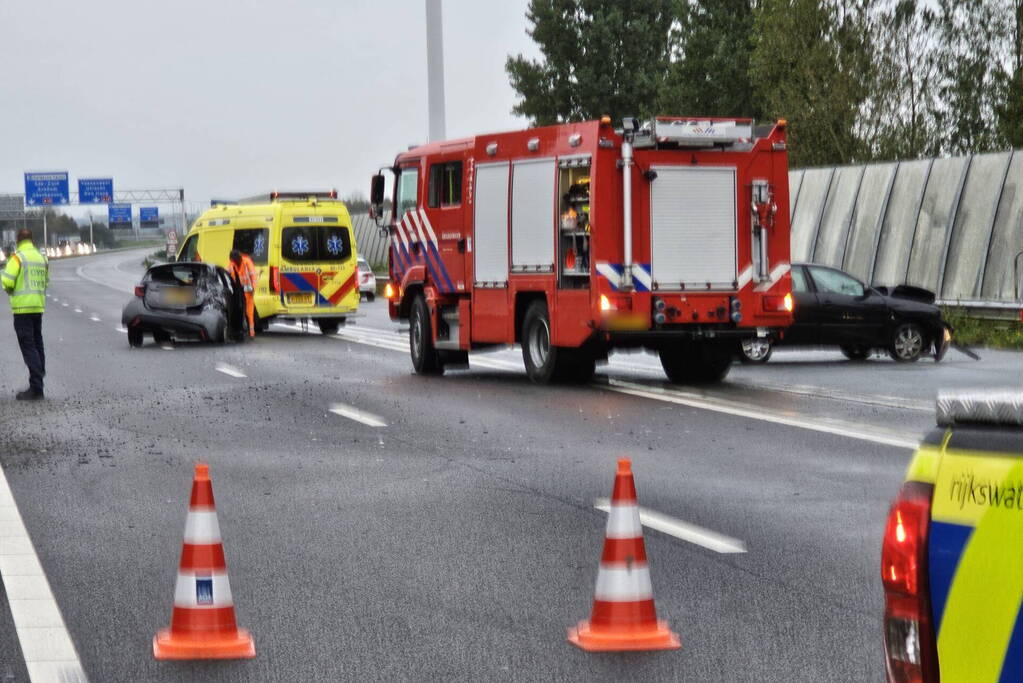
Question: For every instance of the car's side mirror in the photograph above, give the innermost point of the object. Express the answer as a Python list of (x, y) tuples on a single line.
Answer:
[(376, 196)]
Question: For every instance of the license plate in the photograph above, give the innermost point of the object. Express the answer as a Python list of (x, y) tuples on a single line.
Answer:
[(301, 299), (178, 297)]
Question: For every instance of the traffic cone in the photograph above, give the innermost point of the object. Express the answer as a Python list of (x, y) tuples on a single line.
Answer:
[(623, 615), (202, 623)]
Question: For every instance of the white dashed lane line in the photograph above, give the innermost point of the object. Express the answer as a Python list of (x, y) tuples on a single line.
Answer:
[(691, 533), (229, 370), (49, 653), (368, 419), (78, 310), (94, 318)]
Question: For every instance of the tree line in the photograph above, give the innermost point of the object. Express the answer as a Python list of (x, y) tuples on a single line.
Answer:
[(858, 80)]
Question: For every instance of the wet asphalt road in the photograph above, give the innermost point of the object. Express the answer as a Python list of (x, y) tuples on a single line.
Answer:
[(460, 540)]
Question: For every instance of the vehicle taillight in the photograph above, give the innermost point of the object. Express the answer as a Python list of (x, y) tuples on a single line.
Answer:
[(778, 303), (910, 648), (275, 279), (140, 291), (389, 291)]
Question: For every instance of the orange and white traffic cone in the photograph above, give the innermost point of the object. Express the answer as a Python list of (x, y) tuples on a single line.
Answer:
[(203, 624), (623, 615)]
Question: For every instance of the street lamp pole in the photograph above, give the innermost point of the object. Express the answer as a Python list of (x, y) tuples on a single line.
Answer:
[(435, 69)]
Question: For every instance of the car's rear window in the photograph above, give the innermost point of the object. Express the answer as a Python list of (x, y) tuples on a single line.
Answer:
[(180, 275), (316, 243)]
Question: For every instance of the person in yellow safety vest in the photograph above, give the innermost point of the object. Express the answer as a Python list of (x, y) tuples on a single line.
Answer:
[(25, 279), (243, 271)]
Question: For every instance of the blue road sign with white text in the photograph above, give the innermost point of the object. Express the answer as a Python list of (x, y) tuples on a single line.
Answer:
[(45, 189), (149, 214), (95, 190), (119, 215)]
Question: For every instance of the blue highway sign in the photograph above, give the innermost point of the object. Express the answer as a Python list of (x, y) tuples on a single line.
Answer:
[(44, 189), (119, 215), (95, 190), (149, 214)]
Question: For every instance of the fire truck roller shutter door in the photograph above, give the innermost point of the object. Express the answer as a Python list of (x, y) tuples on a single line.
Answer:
[(490, 224), (533, 221), (693, 227)]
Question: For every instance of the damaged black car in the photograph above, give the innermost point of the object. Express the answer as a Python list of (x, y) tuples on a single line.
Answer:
[(186, 300), (832, 308)]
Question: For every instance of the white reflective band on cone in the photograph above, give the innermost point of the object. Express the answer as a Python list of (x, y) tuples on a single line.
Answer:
[(624, 584), (185, 591), (202, 528), (623, 522)]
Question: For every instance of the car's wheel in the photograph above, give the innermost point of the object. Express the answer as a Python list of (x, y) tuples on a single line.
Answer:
[(756, 350), (425, 359), (328, 326), (855, 352), (907, 343), (134, 337), (694, 363)]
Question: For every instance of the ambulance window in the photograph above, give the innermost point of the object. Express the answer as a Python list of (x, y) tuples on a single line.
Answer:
[(253, 242), (408, 182), (446, 184), (335, 243), (299, 244), (187, 252)]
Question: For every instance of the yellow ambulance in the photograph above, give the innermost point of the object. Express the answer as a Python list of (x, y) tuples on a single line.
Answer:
[(302, 244)]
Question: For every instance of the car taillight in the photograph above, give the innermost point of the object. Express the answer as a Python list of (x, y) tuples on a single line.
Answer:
[(778, 303), (140, 291), (275, 279), (910, 648)]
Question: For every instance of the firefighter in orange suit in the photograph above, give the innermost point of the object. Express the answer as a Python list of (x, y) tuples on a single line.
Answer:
[(243, 271)]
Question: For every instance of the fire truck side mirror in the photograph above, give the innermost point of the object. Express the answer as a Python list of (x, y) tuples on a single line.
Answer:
[(376, 192)]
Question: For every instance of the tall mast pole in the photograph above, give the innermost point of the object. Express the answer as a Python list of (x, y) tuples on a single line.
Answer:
[(435, 69)]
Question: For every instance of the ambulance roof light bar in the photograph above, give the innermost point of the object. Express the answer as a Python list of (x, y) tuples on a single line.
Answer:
[(277, 195)]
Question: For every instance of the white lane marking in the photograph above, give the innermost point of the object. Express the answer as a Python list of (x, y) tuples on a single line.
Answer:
[(818, 424), (229, 370), (167, 347), (80, 272), (728, 406), (368, 419), (94, 318), (78, 310), (705, 538), (121, 328), (46, 645), (65, 304)]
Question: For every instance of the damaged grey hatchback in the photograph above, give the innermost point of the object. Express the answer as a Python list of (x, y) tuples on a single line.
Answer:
[(181, 301)]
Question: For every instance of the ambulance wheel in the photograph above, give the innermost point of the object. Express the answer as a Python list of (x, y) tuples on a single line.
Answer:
[(328, 326), (691, 363), (134, 337), (425, 358)]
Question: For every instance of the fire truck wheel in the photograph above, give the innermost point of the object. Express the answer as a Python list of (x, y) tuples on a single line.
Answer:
[(695, 363), (425, 359), (539, 356)]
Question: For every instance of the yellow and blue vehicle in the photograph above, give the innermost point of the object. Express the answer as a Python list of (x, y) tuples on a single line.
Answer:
[(952, 556), (302, 245)]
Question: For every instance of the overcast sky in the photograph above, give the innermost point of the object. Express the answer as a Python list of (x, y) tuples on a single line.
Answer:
[(228, 98)]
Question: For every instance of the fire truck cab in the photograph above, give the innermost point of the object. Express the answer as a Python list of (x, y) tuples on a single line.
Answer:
[(577, 239)]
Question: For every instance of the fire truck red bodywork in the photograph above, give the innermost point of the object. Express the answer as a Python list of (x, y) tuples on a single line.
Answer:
[(434, 245)]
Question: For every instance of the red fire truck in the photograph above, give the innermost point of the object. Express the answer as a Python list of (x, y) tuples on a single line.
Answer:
[(670, 234)]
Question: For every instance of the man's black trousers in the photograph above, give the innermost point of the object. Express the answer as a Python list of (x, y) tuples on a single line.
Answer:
[(29, 328)]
